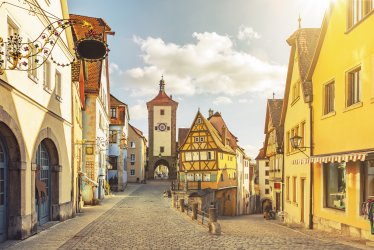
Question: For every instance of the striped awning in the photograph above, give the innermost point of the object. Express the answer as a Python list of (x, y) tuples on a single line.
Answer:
[(333, 158)]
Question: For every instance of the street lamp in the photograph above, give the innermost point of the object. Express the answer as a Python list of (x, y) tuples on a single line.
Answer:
[(296, 142)]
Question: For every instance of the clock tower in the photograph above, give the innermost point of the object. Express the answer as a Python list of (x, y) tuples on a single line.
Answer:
[(162, 116)]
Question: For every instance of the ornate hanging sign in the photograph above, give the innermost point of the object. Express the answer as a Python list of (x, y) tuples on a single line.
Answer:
[(15, 54)]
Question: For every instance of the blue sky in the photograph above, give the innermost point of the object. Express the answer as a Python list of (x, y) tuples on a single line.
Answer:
[(227, 55)]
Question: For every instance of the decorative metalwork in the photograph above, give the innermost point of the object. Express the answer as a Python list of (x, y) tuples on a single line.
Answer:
[(15, 54), (102, 143)]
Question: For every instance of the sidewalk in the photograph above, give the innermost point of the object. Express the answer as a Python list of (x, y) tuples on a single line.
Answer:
[(59, 232), (326, 236)]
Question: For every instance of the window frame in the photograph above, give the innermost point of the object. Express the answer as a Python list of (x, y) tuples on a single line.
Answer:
[(353, 89), (113, 111), (58, 85), (329, 97)]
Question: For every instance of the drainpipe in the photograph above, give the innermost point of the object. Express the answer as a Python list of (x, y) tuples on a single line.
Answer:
[(311, 168)]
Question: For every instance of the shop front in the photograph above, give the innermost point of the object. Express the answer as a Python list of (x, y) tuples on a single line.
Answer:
[(343, 184)]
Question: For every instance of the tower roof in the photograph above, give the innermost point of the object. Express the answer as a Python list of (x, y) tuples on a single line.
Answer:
[(162, 98)]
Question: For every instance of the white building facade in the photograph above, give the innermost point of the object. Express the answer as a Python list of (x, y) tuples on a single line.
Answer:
[(35, 127)]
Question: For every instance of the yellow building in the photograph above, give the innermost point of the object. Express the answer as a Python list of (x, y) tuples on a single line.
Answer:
[(296, 121), (273, 150), (208, 162), (343, 109)]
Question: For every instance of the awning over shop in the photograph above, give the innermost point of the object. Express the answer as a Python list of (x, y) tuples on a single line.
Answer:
[(361, 156)]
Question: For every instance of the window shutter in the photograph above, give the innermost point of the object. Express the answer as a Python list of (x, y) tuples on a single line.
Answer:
[(213, 177)]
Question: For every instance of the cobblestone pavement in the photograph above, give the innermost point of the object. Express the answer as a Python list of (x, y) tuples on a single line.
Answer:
[(143, 219)]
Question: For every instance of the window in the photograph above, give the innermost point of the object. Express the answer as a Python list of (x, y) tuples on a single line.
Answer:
[(329, 98), (132, 157), (196, 139), (294, 185), (198, 177), (203, 155), (12, 28), (162, 112), (195, 156), (357, 10), (266, 181), (335, 185), (132, 144), (266, 191), (113, 162), (32, 64), (58, 89), (132, 172), (112, 136), (267, 173), (113, 113), (188, 156), (198, 121), (366, 180), (354, 87), (267, 164), (210, 155), (287, 188), (206, 177), (295, 91), (162, 149), (47, 75), (190, 177), (201, 139)]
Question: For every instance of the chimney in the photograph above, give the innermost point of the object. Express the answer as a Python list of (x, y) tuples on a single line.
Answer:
[(224, 135), (211, 112), (171, 97)]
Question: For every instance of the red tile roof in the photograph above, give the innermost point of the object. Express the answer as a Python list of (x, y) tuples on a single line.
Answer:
[(217, 121)]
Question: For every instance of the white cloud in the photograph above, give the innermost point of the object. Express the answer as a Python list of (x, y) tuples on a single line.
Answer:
[(114, 68), (222, 100), (243, 100), (251, 151), (210, 65), (247, 33), (138, 111)]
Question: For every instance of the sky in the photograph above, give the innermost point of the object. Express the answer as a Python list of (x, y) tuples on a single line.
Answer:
[(225, 55)]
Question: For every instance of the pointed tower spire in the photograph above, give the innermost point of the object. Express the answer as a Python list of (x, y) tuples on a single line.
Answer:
[(162, 84), (299, 20)]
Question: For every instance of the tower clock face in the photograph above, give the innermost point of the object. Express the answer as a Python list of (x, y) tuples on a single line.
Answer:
[(162, 126)]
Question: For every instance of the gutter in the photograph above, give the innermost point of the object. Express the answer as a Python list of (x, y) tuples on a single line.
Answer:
[(311, 168)]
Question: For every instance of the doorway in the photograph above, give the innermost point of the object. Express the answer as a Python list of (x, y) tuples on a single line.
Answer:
[(43, 184), (3, 191)]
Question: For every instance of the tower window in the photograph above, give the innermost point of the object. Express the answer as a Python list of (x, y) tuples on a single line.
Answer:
[(162, 112), (162, 149)]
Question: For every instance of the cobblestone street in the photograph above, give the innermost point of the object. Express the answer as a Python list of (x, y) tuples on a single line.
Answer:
[(140, 218)]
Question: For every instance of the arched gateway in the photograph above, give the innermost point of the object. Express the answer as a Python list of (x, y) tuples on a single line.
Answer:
[(162, 115)]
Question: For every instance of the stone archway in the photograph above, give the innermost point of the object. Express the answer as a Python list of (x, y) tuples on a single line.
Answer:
[(161, 170), (17, 224), (49, 141)]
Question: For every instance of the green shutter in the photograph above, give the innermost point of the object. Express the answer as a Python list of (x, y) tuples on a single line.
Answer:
[(213, 177), (181, 176)]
